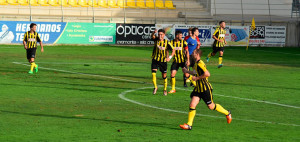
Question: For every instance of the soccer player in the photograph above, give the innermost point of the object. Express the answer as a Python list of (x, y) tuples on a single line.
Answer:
[(192, 45), (203, 90), (160, 57), (181, 58), (190, 34), (30, 44), (219, 43)]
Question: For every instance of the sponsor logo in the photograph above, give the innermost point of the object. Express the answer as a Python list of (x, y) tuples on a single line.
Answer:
[(126, 30), (101, 38), (161, 48), (259, 32), (31, 39), (178, 48)]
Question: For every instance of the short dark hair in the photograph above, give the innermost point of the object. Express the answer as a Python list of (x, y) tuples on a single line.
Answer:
[(178, 32), (161, 30), (198, 51), (32, 24), (193, 30), (221, 22)]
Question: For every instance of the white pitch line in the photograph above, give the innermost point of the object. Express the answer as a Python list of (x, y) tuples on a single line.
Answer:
[(279, 52), (246, 99), (253, 100), (122, 96), (266, 102), (270, 51)]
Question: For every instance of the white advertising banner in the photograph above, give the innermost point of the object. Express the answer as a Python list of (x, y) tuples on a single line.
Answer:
[(235, 35), (268, 36)]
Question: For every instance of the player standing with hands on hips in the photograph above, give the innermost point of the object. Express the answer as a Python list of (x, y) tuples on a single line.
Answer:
[(30, 44)]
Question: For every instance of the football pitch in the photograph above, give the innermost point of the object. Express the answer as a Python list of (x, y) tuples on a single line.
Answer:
[(104, 93)]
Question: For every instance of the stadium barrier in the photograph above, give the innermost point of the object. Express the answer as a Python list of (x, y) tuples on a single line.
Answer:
[(136, 34)]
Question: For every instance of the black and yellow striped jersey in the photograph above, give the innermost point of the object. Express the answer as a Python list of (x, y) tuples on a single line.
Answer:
[(201, 84), (160, 50), (31, 39), (179, 46), (220, 34)]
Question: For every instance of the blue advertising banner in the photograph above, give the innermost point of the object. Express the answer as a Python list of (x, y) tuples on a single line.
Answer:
[(205, 34), (13, 31)]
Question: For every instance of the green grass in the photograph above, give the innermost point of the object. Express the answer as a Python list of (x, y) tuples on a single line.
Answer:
[(71, 98)]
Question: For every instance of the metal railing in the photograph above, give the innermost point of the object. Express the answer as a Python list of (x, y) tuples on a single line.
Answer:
[(187, 11)]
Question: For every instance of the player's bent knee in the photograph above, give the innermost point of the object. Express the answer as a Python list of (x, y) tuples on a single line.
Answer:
[(211, 106)]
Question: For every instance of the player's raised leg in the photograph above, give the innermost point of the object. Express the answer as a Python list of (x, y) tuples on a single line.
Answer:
[(220, 109)]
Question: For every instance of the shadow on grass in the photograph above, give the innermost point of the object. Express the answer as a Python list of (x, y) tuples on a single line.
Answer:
[(93, 119), (101, 88)]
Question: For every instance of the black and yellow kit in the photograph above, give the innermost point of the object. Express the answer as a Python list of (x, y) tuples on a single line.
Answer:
[(220, 34), (203, 88), (31, 40), (159, 54), (180, 56)]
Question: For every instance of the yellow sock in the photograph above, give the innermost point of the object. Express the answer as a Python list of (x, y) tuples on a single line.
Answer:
[(191, 79), (173, 81), (220, 109), (165, 83), (192, 114), (32, 66), (209, 55), (154, 79), (220, 59)]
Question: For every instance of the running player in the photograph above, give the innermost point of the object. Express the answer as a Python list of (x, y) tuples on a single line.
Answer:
[(30, 44), (203, 90), (180, 59), (160, 57), (219, 43)]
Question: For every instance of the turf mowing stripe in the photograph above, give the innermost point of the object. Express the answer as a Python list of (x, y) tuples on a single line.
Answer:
[(122, 96), (83, 73), (266, 102), (256, 64)]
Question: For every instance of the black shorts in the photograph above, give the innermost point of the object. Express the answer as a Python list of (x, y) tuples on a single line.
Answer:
[(217, 49), (161, 65), (206, 96), (30, 53), (192, 61), (175, 66)]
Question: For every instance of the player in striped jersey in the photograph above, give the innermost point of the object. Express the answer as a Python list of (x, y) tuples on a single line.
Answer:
[(203, 90), (160, 57), (30, 44), (181, 58), (219, 43)]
